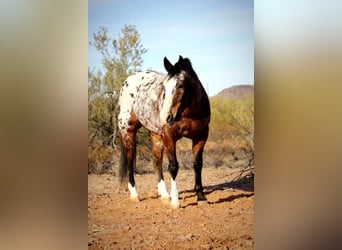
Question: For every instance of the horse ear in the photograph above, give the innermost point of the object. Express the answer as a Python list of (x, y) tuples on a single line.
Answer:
[(180, 60), (182, 64), (168, 66)]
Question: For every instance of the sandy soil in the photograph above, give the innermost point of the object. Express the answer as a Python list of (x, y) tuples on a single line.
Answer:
[(226, 222)]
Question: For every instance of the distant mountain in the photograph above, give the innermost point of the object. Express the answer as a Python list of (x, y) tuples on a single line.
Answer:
[(236, 92)]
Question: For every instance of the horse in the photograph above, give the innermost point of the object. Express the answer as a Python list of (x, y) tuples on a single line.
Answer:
[(170, 106)]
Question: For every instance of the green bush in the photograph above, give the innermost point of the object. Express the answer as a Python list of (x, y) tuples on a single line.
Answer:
[(232, 127)]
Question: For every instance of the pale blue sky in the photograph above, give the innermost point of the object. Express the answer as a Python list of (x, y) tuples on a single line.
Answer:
[(217, 36)]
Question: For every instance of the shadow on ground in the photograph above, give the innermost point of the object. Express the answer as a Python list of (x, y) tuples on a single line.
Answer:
[(245, 184)]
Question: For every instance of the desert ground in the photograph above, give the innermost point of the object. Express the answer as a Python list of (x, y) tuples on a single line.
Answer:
[(226, 222)]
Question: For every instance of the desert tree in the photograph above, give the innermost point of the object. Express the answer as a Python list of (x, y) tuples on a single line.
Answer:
[(120, 58)]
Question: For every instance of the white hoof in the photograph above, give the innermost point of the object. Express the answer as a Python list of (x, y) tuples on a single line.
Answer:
[(175, 205), (134, 198)]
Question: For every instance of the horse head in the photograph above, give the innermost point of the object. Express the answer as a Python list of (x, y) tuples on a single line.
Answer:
[(178, 86)]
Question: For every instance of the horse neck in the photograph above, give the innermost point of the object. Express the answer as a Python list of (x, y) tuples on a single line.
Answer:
[(199, 97)]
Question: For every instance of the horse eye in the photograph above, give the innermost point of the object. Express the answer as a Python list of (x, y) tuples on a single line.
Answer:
[(181, 86)]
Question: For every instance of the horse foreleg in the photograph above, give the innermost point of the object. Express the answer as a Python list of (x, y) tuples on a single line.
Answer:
[(174, 193), (169, 141), (173, 170), (157, 158), (197, 149)]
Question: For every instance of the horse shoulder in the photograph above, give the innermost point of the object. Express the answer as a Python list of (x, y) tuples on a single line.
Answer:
[(147, 101)]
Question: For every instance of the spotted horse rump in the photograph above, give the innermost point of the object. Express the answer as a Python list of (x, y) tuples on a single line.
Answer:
[(170, 106)]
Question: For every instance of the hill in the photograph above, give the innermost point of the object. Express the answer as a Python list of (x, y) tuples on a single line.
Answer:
[(236, 92)]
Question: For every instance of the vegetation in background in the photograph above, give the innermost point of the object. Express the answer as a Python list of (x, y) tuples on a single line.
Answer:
[(120, 58), (232, 126)]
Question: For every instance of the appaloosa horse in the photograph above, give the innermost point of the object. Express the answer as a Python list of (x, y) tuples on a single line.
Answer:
[(169, 106)]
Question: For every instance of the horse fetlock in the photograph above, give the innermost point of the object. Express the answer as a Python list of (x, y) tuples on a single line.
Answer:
[(174, 194), (162, 191), (201, 200), (133, 191)]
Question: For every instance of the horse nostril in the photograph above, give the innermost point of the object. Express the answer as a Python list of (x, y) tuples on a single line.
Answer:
[(169, 118)]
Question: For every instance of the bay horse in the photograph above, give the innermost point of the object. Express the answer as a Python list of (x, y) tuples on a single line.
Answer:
[(170, 106)]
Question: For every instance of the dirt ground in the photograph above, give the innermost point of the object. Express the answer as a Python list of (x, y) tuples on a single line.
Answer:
[(226, 222)]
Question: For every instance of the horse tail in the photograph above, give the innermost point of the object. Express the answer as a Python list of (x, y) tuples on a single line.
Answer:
[(123, 163)]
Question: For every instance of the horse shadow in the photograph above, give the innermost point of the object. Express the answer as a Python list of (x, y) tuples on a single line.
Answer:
[(244, 184)]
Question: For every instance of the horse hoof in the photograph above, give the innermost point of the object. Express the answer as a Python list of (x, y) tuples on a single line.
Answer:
[(175, 205), (135, 199), (202, 202)]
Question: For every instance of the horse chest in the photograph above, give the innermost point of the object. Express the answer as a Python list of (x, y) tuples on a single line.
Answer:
[(187, 128)]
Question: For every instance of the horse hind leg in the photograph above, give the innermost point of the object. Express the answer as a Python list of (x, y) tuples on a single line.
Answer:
[(157, 157), (128, 156), (197, 148)]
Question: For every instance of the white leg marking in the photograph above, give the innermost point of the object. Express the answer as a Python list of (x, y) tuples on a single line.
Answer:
[(133, 191), (162, 190), (174, 194)]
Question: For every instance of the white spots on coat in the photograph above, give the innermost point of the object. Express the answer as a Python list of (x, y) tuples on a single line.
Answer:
[(141, 94)]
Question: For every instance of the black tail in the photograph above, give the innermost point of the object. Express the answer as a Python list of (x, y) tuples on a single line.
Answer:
[(123, 164)]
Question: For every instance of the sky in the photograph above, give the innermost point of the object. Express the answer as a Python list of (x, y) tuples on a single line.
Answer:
[(216, 35)]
